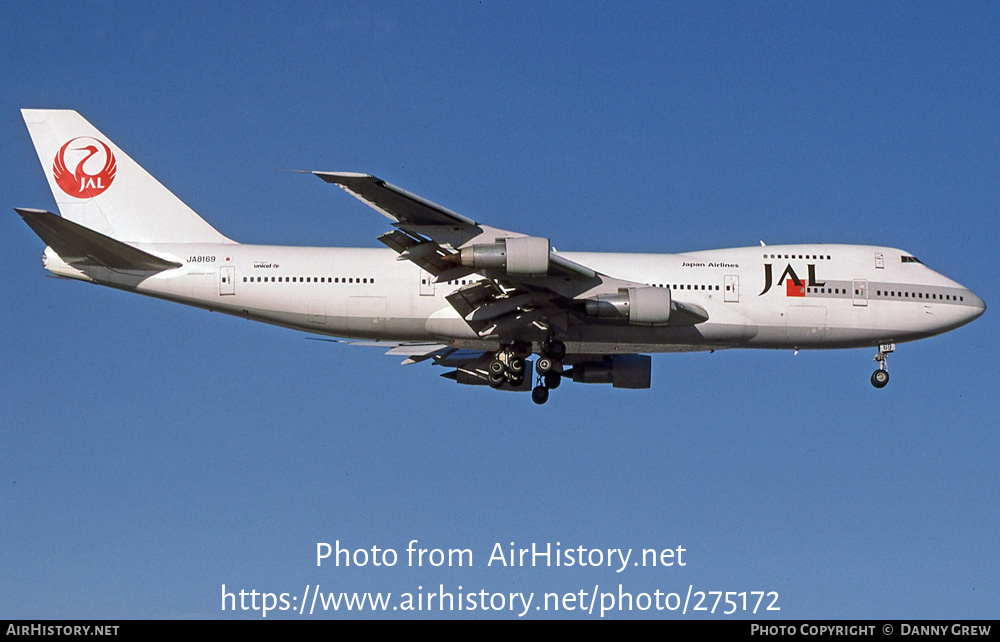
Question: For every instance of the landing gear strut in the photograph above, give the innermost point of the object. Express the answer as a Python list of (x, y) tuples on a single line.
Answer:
[(549, 369), (881, 376)]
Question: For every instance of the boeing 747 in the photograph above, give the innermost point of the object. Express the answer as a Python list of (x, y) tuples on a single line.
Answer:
[(478, 300)]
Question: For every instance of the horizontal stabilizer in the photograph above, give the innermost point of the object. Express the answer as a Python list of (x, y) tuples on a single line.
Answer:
[(73, 242)]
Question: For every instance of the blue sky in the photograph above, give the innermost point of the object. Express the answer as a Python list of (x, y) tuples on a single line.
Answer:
[(150, 453)]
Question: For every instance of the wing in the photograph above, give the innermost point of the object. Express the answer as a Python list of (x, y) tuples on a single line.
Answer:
[(526, 291)]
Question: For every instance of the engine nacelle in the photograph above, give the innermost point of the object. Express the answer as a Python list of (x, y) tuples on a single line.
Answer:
[(523, 255), (622, 371), (643, 306)]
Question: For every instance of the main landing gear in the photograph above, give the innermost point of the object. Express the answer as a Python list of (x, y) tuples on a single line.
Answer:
[(549, 370), (507, 367), (881, 376)]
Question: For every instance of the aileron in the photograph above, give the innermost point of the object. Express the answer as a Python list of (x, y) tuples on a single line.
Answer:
[(394, 202)]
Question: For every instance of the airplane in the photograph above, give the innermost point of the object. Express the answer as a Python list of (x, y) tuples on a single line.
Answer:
[(478, 300)]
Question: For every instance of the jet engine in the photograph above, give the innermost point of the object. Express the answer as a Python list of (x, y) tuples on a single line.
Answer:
[(621, 371), (643, 306), (523, 255)]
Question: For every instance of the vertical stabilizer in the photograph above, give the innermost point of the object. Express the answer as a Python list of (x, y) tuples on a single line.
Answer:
[(100, 187)]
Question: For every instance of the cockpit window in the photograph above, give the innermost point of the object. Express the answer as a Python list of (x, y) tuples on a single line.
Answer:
[(910, 259)]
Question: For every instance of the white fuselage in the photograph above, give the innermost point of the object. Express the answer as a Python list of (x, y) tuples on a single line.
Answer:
[(779, 297)]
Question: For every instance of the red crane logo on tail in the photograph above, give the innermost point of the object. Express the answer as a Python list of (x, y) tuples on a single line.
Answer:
[(78, 182)]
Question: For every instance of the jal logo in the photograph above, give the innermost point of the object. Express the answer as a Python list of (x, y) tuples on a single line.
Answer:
[(794, 286), (84, 167)]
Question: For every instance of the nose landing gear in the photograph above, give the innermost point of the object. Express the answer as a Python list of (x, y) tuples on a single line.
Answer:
[(881, 376)]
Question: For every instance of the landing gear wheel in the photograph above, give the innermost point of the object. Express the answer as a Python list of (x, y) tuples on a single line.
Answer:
[(540, 394), (496, 380), (515, 379), (555, 349), (516, 366), (552, 380), (545, 365), (497, 367), (880, 378)]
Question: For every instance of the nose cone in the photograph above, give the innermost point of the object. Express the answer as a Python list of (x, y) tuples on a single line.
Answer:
[(977, 306)]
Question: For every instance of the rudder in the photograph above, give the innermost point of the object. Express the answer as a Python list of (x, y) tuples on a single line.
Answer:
[(100, 187)]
